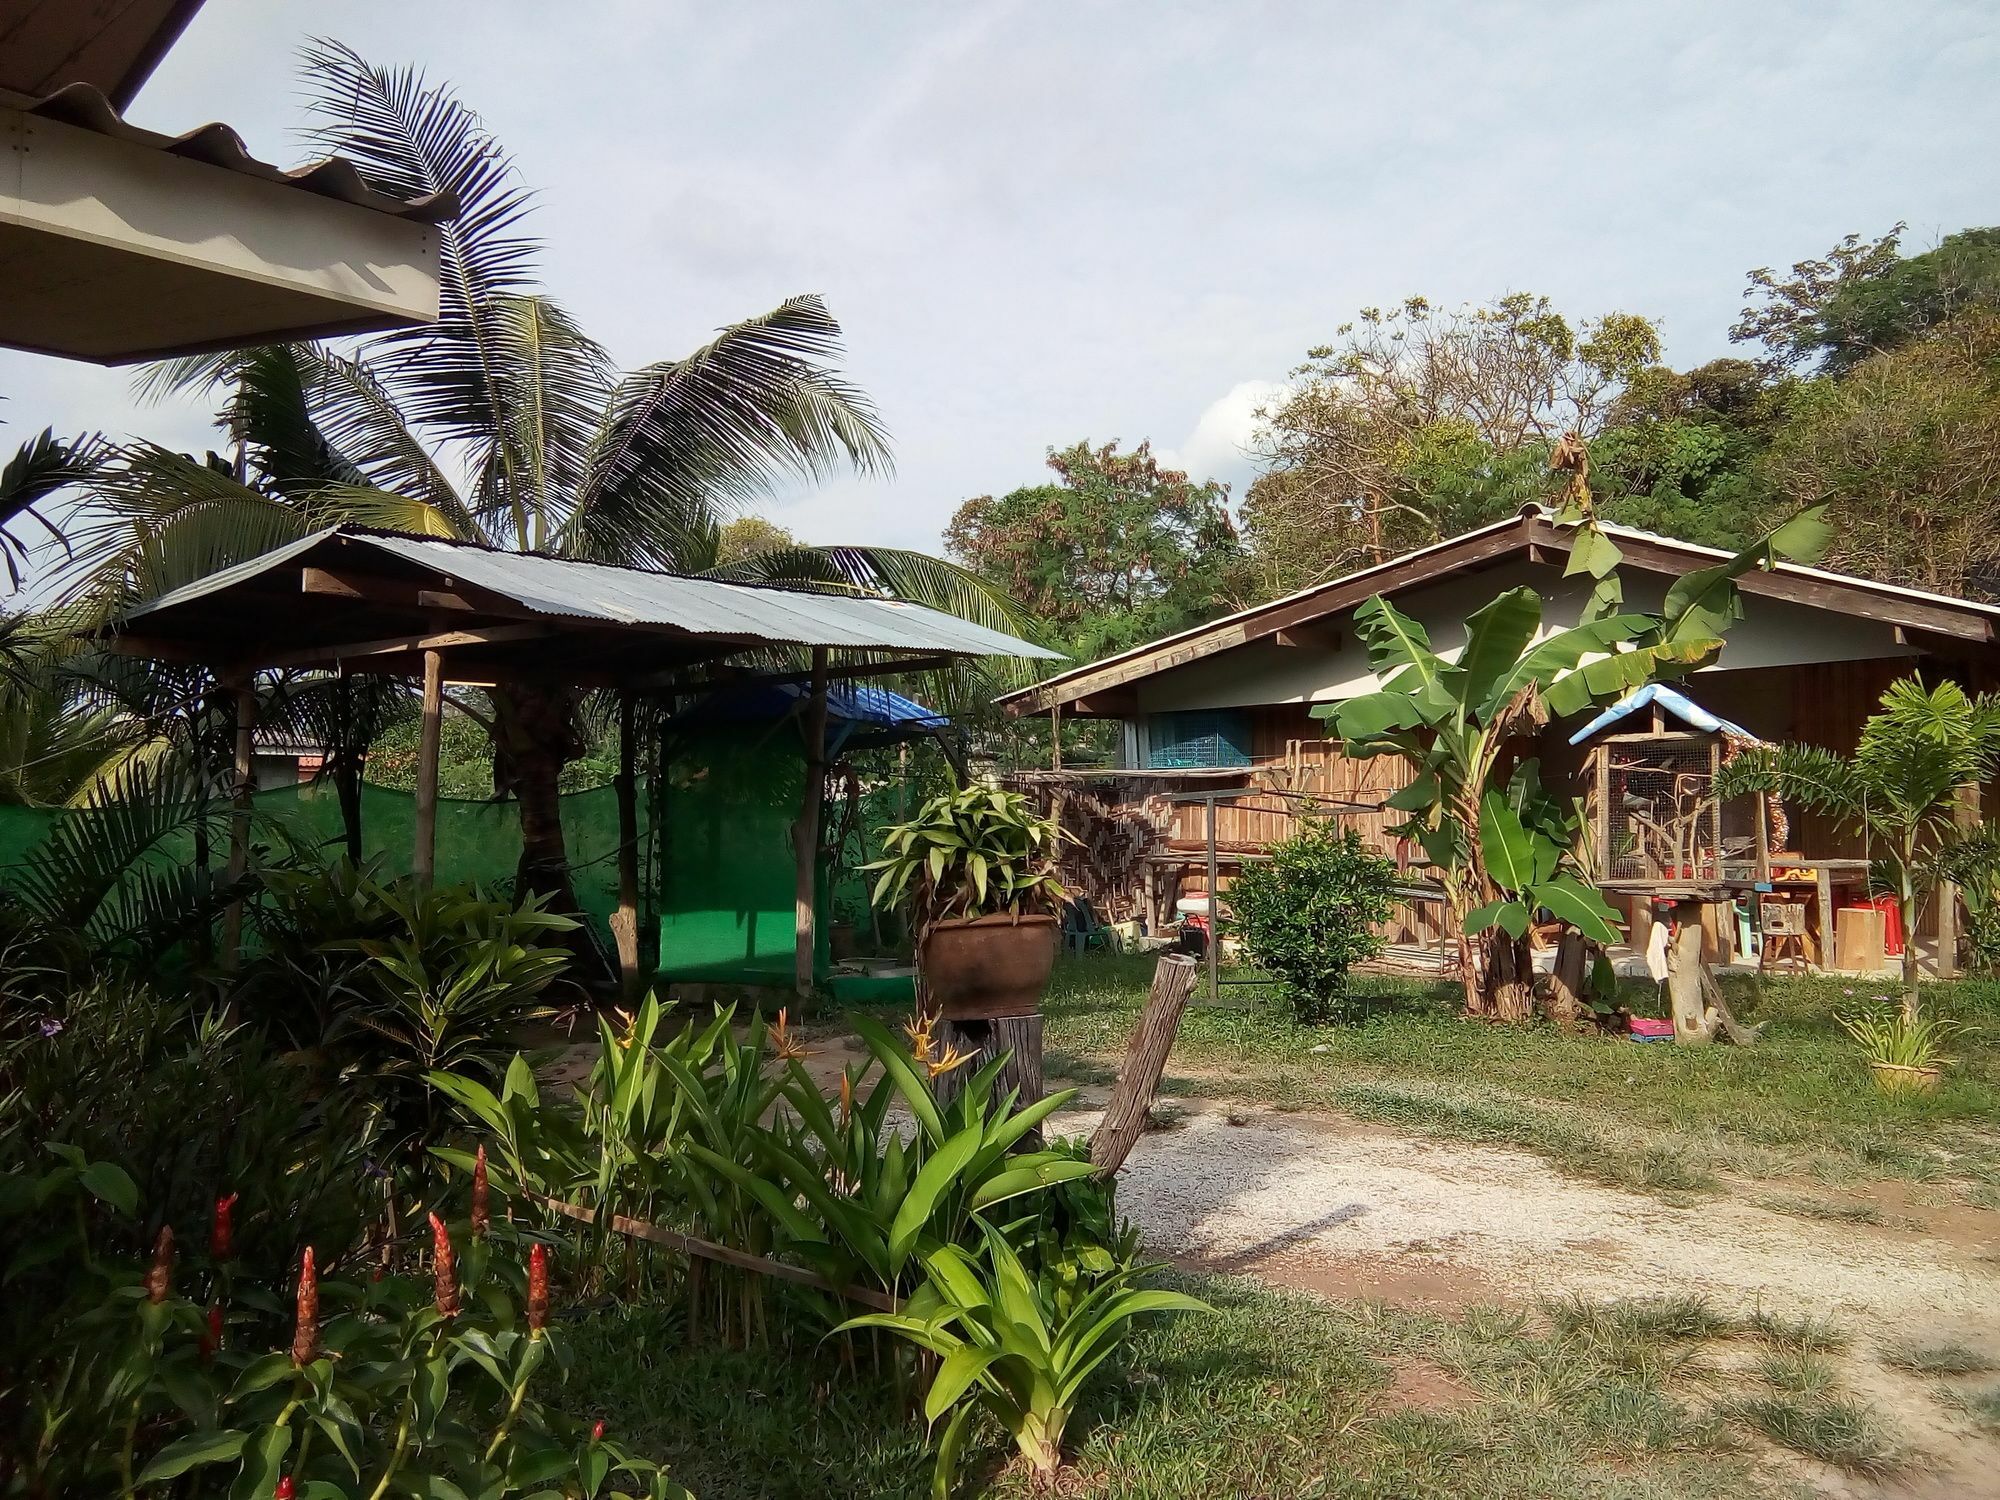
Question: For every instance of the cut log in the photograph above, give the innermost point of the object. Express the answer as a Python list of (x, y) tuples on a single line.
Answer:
[(1145, 1059), (1018, 1036), (1686, 972)]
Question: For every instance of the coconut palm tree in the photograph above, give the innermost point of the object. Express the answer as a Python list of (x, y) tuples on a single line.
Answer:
[(502, 424)]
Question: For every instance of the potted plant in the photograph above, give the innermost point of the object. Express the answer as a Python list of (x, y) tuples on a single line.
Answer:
[(978, 867), (1905, 1053)]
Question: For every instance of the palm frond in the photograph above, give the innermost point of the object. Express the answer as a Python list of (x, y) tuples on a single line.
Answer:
[(84, 857), (554, 382), (160, 519), (40, 469), (411, 138), (686, 440)]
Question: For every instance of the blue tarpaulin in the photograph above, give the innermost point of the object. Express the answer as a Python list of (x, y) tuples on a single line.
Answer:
[(1674, 702)]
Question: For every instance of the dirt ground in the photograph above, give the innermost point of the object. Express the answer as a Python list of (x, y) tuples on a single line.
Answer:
[(1342, 1209)]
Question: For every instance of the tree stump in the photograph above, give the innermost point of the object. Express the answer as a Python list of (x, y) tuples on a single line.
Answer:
[(1568, 1002), (985, 1040), (1145, 1059), (1687, 971)]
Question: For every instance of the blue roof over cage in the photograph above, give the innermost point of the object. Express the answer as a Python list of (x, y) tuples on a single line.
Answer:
[(1672, 701), (855, 704)]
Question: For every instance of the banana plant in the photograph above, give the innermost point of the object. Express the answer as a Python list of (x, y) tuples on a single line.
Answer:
[(1017, 1346), (1503, 850)]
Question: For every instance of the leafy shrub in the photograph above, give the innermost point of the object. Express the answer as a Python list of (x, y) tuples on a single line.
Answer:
[(1306, 913), (1014, 1344)]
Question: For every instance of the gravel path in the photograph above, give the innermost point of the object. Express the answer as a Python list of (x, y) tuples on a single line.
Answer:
[(1351, 1209)]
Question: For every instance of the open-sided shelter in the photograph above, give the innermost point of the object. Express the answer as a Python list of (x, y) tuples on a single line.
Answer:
[(350, 600)]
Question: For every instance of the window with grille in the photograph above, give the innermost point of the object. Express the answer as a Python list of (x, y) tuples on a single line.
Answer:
[(1197, 740)]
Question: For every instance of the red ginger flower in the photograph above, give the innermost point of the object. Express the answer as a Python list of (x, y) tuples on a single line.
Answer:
[(284, 1491), (481, 1214), (160, 1276), (222, 1236), (538, 1289), (212, 1339), (597, 1430), (305, 1341), (444, 1269)]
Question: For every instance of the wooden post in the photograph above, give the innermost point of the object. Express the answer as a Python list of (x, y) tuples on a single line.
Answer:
[(1055, 736), (1763, 868), (1018, 1036), (625, 921), (423, 853), (1964, 814), (1145, 1059), (805, 833), (1684, 975), (243, 689), (1214, 909), (1823, 878), (1602, 756)]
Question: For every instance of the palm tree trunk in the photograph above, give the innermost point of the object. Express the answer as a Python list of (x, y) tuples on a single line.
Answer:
[(534, 740), (347, 788)]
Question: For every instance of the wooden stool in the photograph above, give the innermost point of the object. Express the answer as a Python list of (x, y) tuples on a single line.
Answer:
[(1783, 925)]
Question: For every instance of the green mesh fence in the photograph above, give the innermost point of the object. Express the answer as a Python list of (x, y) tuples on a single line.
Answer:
[(722, 869), (727, 874), (478, 842)]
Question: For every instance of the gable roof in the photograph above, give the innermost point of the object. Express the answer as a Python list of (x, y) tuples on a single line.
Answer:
[(352, 595), (1531, 534)]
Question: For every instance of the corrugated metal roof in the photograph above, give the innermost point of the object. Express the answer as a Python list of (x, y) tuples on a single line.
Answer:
[(86, 107), (566, 589)]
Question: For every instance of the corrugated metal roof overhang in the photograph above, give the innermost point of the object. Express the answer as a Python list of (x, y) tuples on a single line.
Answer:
[(739, 615), (117, 245)]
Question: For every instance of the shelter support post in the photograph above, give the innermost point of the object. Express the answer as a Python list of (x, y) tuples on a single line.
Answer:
[(625, 921), (805, 833), (423, 854), (1823, 878), (242, 690), (1965, 815), (1214, 908), (1145, 1058)]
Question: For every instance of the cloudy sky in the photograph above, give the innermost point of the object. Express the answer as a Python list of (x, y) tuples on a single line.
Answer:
[(1047, 221)]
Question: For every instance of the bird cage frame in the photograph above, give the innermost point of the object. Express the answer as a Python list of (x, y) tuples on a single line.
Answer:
[(1655, 817)]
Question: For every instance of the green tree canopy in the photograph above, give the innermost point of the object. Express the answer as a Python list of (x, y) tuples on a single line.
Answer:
[(1418, 422), (1118, 551)]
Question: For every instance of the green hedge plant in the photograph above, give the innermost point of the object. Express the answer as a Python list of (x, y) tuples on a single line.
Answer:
[(1308, 913)]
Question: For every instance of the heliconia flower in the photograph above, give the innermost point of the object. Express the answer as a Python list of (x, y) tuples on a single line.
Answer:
[(285, 1490), (212, 1339), (305, 1339), (538, 1288), (444, 1269), (597, 1430), (481, 1215), (222, 1234), (160, 1276), (784, 1046)]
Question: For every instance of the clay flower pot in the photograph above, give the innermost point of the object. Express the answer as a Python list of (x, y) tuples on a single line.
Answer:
[(979, 968)]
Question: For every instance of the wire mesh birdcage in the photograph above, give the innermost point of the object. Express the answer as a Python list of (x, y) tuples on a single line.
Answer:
[(1659, 820)]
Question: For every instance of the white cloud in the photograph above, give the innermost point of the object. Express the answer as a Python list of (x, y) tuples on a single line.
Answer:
[(1216, 447)]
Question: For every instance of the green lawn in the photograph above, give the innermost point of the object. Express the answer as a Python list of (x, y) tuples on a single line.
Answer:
[(1655, 1117), (1277, 1395)]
